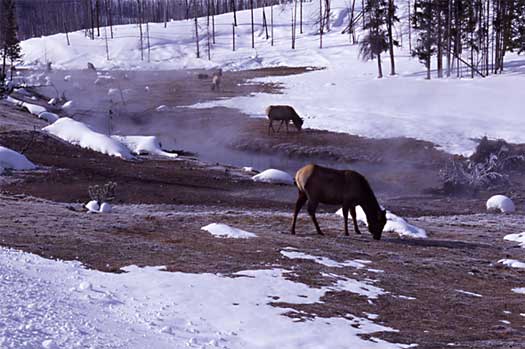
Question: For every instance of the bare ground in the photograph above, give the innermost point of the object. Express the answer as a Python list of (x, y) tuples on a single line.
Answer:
[(162, 204)]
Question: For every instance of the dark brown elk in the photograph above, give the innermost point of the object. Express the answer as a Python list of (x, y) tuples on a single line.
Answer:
[(285, 114), (347, 188)]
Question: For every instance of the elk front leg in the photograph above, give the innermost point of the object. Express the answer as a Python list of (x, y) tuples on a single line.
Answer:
[(352, 212), (298, 205), (345, 216)]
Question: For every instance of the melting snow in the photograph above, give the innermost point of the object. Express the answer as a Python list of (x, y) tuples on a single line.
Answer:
[(520, 238), (50, 303), (274, 176), (512, 263), (10, 159), (324, 260), (501, 203), (469, 293), (143, 145), (394, 224), (225, 231)]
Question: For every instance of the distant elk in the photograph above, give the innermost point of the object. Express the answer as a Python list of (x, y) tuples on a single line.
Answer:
[(216, 80), (285, 114), (347, 188)]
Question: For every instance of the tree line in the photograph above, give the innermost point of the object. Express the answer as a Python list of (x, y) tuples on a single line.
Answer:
[(459, 34)]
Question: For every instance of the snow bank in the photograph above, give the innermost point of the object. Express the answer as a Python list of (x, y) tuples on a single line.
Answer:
[(141, 145), (31, 108), (49, 117), (512, 263), (520, 290), (49, 302), (358, 264), (10, 159), (274, 176), (501, 203), (78, 133), (225, 231), (394, 224), (520, 238), (93, 206)]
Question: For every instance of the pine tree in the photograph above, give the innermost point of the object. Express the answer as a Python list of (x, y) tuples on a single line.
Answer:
[(426, 42), (10, 45), (375, 41), (391, 18)]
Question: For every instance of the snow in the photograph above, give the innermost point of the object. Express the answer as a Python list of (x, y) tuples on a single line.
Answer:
[(10, 159), (520, 238), (512, 263), (225, 231), (105, 208), (141, 145), (49, 117), (470, 293), (49, 303), (324, 260), (501, 203), (274, 176), (67, 105), (78, 133), (394, 224), (93, 206), (31, 108), (162, 108), (520, 290), (402, 105)]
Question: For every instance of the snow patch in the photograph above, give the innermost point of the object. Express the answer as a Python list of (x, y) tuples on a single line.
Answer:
[(324, 260), (274, 176), (225, 231), (394, 224), (141, 145), (48, 116), (79, 134), (10, 159), (470, 293), (520, 290), (512, 263), (519, 238), (501, 203)]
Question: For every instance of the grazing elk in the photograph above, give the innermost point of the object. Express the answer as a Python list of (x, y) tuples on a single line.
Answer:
[(216, 80), (348, 188), (285, 114)]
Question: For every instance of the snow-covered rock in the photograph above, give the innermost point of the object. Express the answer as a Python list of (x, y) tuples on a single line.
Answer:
[(48, 116), (225, 231), (67, 105), (10, 159), (500, 203), (78, 133), (274, 176), (519, 238), (141, 145), (394, 224), (93, 206), (105, 208), (512, 263), (31, 108)]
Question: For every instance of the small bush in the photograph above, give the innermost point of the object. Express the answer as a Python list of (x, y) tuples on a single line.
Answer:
[(103, 193)]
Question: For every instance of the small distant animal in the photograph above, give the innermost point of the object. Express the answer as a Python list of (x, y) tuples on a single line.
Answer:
[(285, 114), (216, 80), (91, 66), (317, 184)]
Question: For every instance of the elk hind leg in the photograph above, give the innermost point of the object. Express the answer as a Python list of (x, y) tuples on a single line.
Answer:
[(312, 207), (298, 205), (353, 214)]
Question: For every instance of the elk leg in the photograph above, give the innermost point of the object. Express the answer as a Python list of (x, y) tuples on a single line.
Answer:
[(345, 216), (352, 212), (312, 206), (287, 122), (280, 125), (270, 126), (298, 205)]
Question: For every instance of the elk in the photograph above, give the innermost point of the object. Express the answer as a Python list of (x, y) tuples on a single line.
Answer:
[(216, 80), (285, 114), (348, 188)]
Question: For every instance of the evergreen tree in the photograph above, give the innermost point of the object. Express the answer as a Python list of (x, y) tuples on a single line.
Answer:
[(391, 18), (10, 46), (426, 42), (375, 41)]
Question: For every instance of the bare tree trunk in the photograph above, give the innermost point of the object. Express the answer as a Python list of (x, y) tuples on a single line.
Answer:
[(449, 36), (233, 36), (390, 18), (271, 20), (265, 24), (321, 23), (351, 24), (234, 13), (301, 17), (439, 44), (253, 29), (327, 10), (196, 30), (409, 28), (97, 9), (140, 29), (379, 68), (166, 14), (208, 30), (213, 22)]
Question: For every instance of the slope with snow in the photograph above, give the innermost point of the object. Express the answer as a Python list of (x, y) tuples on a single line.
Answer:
[(10, 159), (345, 97), (56, 304)]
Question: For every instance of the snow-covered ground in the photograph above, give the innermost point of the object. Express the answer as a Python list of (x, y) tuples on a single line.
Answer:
[(56, 304), (225, 231), (10, 159), (344, 97)]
